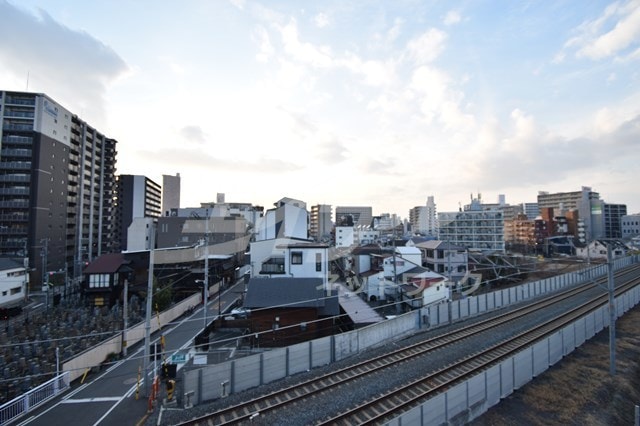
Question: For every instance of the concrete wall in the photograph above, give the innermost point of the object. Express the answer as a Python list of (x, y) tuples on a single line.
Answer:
[(96, 355)]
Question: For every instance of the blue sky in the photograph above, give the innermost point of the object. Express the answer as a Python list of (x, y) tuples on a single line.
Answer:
[(347, 102)]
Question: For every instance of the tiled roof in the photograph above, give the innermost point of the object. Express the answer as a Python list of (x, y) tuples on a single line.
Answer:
[(106, 264)]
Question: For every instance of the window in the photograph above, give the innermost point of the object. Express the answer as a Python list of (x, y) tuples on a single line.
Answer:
[(98, 280), (296, 258), (318, 262)]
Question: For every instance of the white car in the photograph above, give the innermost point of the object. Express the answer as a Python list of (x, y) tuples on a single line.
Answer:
[(240, 312)]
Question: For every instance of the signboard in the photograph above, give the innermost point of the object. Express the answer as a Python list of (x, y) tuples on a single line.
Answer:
[(179, 358)]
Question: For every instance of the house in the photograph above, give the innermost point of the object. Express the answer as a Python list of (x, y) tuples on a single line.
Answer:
[(285, 310), (13, 282), (597, 250), (290, 257), (445, 258), (104, 279)]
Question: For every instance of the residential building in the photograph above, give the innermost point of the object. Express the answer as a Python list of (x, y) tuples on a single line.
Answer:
[(597, 250), (444, 258), (520, 234), (170, 193), (137, 197), (285, 311), (289, 218), (613, 214), (13, 283), (531, 210), (588, 204), (630, 225), (57, 186), (345, 236), (320, 224), (362, 216), (424, 219), (473, 228), (290, 257)]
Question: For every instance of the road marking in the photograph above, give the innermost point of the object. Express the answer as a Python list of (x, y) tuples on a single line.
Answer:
[(95, 399)]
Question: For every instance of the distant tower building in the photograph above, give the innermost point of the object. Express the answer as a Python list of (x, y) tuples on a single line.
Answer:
[(138, 197), (57, 183), (170, 193), (362, 216), (220, 198), (320, 224), (424, 219)]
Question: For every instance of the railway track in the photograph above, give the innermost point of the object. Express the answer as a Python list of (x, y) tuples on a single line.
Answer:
[(313, 387)]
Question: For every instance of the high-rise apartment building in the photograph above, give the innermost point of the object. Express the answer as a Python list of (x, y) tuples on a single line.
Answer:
[(586, 202), (362, 216), (170, 193), (320, 224), (138, 197), (57, 186), (424, 219)]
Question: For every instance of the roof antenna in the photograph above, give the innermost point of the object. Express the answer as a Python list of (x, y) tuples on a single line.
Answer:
[(27, 82)]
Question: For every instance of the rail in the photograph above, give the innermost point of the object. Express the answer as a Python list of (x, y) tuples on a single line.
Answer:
[(25, 403)]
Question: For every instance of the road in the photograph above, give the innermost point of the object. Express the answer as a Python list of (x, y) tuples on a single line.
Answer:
[(110, 397)]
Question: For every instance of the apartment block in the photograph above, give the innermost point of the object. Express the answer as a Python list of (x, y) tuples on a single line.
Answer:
[(137, 197), (57, 186), (424, 219), (474, 228), (320, 224), (362, 216)]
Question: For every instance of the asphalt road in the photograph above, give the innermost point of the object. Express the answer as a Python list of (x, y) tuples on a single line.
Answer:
[(113, 397)]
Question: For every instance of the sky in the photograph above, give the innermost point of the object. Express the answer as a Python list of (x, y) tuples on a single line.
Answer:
[(348, 103)]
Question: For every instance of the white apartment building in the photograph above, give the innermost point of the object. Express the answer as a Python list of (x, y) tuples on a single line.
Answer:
[(290, 257), (424, 219), (473, 228), (289, 218), (630, 225)]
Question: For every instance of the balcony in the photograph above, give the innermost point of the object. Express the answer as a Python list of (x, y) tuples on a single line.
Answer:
[(14, 100)]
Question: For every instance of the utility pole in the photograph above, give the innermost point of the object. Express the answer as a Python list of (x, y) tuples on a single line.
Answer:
[(612, 313), (147, 336), (125, 322), (206, 268)]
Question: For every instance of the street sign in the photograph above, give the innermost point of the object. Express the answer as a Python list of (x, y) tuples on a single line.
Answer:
[(178, 358)]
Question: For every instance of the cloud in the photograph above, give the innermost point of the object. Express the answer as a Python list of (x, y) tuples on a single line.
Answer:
[(308, 53), (452, 17), (265, 48), (426, 47), (321, 20), (79, 66), (616, 30), (527, 154), (193, 134), (331, 152), (200, 159)]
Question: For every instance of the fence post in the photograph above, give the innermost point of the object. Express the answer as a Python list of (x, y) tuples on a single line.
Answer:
[(637, 415)]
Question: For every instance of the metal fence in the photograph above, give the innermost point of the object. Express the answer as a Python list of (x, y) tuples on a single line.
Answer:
[(23, 404)]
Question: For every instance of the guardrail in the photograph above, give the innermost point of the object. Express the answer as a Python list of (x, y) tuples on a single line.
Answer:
[(21, 405)]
